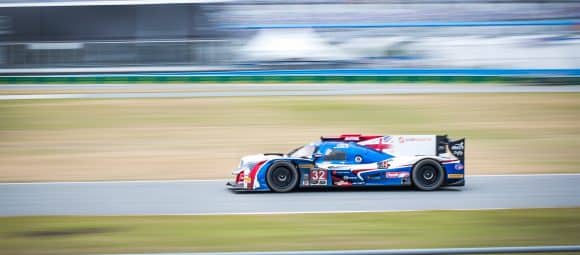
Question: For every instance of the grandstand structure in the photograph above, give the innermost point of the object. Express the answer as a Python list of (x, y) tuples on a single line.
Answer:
[(274, 34), (107, 33)]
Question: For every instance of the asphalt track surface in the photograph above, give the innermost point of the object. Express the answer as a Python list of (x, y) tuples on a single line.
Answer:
[(212, 197), (113, 91)]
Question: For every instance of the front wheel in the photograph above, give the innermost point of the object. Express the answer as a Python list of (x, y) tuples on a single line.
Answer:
[(282, 176), (428, 175)]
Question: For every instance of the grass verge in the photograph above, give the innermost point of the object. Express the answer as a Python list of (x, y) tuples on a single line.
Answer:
[(55, 140), (389, 230)]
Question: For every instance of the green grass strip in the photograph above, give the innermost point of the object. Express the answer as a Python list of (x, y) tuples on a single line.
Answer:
[(85, 235)]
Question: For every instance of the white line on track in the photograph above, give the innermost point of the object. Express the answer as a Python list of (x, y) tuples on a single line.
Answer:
[(226, 180), (523, 175), (297, 90), (120, 181), (315, 212)]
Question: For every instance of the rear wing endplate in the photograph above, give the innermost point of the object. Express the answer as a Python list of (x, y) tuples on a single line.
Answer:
[(455, 147)]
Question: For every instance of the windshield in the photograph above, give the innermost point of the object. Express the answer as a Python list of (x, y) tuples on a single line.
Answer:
[(305, 151)]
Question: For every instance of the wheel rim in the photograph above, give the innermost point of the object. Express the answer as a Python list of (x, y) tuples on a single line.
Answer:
[(429, 176), (282, 177)]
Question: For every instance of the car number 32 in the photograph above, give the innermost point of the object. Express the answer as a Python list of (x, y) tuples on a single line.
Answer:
[(318, 177)]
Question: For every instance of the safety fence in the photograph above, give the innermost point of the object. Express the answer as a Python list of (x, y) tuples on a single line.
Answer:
[(559, 76)]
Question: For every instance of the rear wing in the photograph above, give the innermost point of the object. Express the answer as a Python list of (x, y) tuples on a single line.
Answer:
[(455, 147), (349, 138)]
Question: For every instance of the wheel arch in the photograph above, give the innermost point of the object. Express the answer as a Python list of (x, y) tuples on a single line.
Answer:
[(439, 163), (432, 158), (261, 174), (266, 168)]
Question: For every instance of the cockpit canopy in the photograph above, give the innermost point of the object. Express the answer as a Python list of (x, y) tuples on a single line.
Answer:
[(339, 152), (306, 151)]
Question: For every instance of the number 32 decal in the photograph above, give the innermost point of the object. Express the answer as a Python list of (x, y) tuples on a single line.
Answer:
[(318, 177)]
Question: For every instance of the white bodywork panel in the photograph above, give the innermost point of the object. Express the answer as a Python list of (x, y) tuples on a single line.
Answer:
[(406, 145)]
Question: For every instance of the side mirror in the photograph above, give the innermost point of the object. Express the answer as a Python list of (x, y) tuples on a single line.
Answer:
[(317, 155)]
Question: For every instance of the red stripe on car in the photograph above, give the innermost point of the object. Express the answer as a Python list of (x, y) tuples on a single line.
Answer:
[(253, 173)]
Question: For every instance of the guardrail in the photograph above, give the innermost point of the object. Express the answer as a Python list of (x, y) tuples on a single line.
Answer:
[(561, 76), (479, 250)]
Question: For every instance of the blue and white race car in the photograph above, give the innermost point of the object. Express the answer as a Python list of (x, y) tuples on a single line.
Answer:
[(426, 162)]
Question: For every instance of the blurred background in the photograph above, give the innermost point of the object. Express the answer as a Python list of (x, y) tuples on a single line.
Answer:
[(217, 35)]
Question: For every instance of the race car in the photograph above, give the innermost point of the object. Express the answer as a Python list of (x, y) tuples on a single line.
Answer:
[(426, 162)]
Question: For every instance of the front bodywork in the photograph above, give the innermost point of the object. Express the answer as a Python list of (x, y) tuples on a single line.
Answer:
[(367, 161)]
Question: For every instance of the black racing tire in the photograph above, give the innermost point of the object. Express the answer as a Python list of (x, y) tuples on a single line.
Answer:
[(282, 176), (428, 175)]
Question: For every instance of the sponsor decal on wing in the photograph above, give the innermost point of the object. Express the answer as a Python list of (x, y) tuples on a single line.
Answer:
[(397, 174), (342, 183), (417, 138), (455, 176)]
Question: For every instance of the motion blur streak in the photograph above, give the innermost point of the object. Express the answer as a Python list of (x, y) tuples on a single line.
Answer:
[(276, 90), (275, 34)]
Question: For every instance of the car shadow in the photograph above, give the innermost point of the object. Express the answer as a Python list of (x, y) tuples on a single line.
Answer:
[(355, 189), (372, 189)]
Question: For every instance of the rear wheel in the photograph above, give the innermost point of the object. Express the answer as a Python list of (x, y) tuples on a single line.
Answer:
[(282, 176), (428, 175)]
